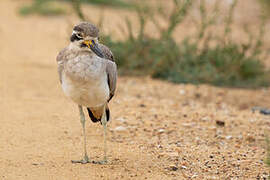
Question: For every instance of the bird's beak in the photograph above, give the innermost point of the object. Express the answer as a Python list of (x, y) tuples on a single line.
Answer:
[(91, 44)]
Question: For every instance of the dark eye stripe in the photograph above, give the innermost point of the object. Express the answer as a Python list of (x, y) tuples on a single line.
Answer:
[(74, 37)]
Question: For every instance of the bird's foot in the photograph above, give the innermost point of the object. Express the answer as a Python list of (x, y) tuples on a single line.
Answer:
[(102, 162), (85, 160)]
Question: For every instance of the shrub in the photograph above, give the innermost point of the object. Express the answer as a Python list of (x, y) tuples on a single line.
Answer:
[(42, 7), (201, 58), (265, 5), (228, 63), (51, 7), (110, 3)]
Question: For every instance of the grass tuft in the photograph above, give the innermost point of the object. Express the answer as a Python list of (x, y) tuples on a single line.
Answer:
[(51, 7), (266, 6), (42, 7), (110, 3)]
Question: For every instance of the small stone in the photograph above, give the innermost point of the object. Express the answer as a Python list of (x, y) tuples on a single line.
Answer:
[(120, 128), (161, 130), (197, 95), (182, 91), (183, 167), (220, 123), (188, 124), (252, 120), (265, 111), (142, 105), (173, 168), (121, 119), (195, 175), (250, 139), (205, 118)]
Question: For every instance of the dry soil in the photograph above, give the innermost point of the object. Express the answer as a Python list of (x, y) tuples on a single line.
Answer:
[(158, 130)]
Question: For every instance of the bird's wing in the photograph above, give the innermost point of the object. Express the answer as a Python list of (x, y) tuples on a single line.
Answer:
[(60, 59), (111, 70), (106, 52)]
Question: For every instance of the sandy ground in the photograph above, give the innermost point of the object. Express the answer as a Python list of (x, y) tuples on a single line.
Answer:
[(158, 130)]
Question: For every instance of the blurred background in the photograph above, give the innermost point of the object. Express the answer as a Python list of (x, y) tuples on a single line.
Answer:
[(193, 70), (224, 43)]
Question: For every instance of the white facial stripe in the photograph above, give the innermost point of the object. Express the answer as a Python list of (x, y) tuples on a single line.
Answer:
[(95, 39), (76, 34)]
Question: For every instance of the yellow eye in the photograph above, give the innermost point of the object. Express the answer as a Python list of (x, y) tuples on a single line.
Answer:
[(79, 35)]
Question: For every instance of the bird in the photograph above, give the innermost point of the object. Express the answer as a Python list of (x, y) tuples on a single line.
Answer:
[(88, 75)]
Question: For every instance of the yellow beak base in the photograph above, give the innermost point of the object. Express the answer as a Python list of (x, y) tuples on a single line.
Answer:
[(88, 43)]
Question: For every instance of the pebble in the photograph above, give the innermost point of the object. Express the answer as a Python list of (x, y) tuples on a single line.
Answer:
[(120, 128), (182, 91), (161, 130), (183, 167), (220, 123), (173, 168), (121, 119), (206, 118)]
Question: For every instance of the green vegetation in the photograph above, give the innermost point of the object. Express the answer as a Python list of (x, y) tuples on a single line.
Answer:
[(194, 60), (42, 7), (203, 57), (111, 3), (51, 7), (266, 5)]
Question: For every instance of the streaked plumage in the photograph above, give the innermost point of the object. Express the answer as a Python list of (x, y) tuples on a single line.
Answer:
[(106, 52)]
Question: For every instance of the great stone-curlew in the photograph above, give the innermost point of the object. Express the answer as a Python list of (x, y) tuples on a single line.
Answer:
[(88, 76)]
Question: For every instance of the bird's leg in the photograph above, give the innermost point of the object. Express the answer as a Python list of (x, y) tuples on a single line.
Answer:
[(104, 124), (85, 158)]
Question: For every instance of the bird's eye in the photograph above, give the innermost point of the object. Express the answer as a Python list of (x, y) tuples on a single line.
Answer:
[(79, 35)]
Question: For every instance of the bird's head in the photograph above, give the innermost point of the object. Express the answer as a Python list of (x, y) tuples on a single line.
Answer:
[(85, 36)]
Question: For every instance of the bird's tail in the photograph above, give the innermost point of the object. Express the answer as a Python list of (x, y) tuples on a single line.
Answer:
[(95, 114)]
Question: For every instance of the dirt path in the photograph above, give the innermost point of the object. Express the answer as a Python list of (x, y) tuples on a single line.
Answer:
[(159, 130)]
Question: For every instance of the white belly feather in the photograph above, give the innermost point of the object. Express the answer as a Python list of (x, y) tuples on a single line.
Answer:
[(92, 91)]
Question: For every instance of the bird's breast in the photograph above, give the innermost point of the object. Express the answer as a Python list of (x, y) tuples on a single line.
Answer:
[(85, 82)]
